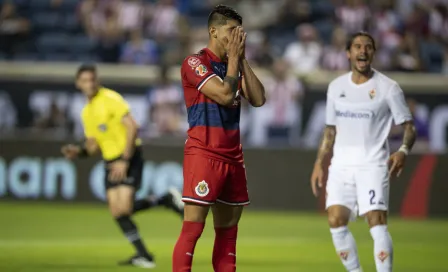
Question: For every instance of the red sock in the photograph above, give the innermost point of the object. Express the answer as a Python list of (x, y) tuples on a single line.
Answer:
[(224, 251), (184, 249)]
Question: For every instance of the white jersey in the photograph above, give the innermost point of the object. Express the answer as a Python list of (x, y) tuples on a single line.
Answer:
[(363, 116)]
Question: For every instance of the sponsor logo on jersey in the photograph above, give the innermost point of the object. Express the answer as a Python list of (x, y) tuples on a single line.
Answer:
[(201, 70), (353, 115), (202, 189), (372, 94), (194, 62), (382, 256), (343, 254)]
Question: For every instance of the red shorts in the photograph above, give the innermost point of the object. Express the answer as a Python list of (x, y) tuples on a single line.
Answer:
[(207, 181)]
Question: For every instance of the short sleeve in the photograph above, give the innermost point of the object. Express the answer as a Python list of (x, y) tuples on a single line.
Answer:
[(397, 105), (197, 72), (330, 111), (118, 106)]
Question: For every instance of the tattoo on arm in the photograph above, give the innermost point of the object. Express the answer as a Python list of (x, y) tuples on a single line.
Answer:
[(233, 82), (326, 144), (409, 135)]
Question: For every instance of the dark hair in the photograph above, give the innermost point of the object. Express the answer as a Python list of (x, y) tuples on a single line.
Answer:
[(221, 13), (85, 68), (360, 34)]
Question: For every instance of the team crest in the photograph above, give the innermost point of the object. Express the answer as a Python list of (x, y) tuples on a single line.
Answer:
[(372, 94), (194, 62), (202, 189), (201, 70), (343, 255), (382, 256)]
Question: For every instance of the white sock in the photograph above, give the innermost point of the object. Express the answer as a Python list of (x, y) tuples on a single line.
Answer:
[(383, 251), (345, 245)]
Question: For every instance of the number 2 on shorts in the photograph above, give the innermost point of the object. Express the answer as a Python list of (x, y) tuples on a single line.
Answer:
[(372, 196)]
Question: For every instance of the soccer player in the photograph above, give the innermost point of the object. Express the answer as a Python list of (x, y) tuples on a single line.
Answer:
[(361, 106), (110, 128), (214, 81)]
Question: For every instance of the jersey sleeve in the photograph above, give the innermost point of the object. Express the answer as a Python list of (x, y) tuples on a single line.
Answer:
[(197, 72), (330, 111), (398, 106), (117, 106)]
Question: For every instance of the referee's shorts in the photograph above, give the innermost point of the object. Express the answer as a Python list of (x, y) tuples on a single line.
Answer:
[(134, 174)]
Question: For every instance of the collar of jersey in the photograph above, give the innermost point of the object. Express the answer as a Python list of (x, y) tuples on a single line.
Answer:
[(212, 55), (362, 84)]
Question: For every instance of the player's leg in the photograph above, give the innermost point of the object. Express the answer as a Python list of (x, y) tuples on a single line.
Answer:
[(120, 200), (171, 200), (203, 179), (341, 204), (226, 216), (373, 198), (225, 219)]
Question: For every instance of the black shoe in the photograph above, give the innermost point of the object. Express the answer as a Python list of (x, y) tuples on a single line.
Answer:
[(173, 201), (140, 261)]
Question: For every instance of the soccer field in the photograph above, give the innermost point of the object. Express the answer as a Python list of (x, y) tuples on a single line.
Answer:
[(39, 237)]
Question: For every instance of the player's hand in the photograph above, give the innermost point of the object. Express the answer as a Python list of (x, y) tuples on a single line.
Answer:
[(118, 170), (242, 48), (317, 179), (234, 48), (396, 163), (70, 151)]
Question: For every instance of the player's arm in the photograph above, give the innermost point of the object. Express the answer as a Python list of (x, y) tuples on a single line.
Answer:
[(253, 89), (131, 126), (87, 148), (402, 116), (326, 145), (224, 91)]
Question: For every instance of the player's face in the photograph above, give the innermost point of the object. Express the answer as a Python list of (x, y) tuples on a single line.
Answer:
[(223, 32), (87, 83), (361, 54)]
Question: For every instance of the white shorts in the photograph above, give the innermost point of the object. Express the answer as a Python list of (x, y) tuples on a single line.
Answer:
[(361, 189)]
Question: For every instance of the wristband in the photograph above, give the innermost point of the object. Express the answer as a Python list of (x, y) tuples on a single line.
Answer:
[(404, 149)]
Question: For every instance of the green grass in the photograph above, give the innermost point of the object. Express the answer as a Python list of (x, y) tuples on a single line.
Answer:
[(39, 237)]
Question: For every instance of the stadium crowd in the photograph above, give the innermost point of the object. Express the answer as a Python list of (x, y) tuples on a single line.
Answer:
[(298, 35)]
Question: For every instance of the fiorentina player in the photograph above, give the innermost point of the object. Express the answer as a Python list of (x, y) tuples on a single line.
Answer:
[(361, 106), (214, 81)]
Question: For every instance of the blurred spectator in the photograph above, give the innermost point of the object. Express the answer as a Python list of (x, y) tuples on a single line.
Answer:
[(167, 116), (163, 20), (101, 21), (13, 29), (198, 40), (259, 49), (386, 25), (257, 14), (281, 116), (56, 118), (407, 58), (8, 113), (418, 21), (292, 13), (304, 54), (139, 50), (334, 56), (130, 15), (354, 16), (438, 22)]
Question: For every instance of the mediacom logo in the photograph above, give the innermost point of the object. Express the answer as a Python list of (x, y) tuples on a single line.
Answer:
[(354, 115)]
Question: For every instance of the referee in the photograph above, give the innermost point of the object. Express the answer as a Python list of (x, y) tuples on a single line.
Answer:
[(110, 128)]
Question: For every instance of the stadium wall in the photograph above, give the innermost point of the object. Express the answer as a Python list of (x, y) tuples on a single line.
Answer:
[(35, 170)]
